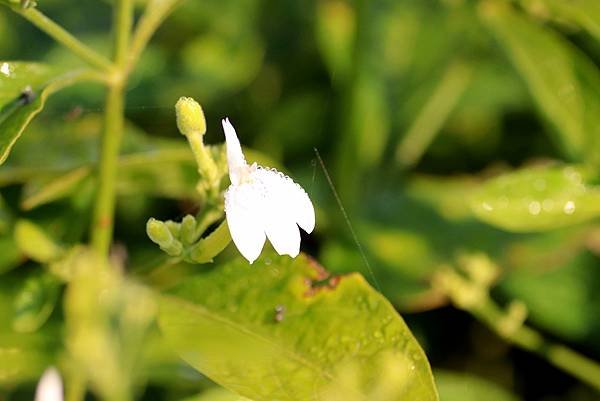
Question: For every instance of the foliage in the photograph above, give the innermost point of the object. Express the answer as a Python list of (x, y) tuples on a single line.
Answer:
[(450, 149)]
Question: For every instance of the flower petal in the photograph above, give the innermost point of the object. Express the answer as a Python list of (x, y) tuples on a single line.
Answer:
[(243, 208), (49, 387), (291, 195), (235, 158), (283, 233)]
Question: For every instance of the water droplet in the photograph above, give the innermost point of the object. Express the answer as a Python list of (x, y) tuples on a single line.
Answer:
[(268, 261), (548, 205), (5, 69), (569, 207), (487, 207), (534, 208), (572, 174)]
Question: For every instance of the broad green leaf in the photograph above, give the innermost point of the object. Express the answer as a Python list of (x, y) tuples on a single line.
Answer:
[(284, 329), (463, 387), (537, 199), (24, 88), (559, 77), (35, 243), (35, 302)]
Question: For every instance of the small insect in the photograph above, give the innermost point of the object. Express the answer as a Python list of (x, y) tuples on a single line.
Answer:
[(279, 313)]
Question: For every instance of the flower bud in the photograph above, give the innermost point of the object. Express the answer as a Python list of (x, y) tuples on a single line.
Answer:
[(190, 117), (188, 229)]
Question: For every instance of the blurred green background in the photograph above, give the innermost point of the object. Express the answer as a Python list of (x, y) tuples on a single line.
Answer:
[(411, 105)]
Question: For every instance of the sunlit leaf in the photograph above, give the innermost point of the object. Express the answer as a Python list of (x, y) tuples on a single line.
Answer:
[(282, 329), (537, 199), (24, 88)]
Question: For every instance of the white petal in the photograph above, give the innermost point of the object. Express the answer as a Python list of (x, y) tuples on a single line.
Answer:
[(304, 212), (50, 386), (291, 195), (235, 158), (283, 233), (282, 210), (243, 208)]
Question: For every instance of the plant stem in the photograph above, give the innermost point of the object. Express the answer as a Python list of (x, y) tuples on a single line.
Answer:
[(525, 337), (103, 223), (63, 37), (155, 13)]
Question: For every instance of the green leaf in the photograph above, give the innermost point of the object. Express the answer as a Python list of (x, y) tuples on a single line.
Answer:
[(284, 329), (35, 243), (35, 302), (562, 81), (537, 199), (335, 30), (462, 387), (24, 88), (563, 300)]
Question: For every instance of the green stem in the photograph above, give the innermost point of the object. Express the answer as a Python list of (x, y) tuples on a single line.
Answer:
[(103, 223), (155, 13), (579, 366), (63, 37)]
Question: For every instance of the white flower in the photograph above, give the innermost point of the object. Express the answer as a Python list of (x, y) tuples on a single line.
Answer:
[(49, 387), (263, 203)]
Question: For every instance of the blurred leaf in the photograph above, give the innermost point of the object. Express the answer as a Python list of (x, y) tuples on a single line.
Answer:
[(35, 243), (563, 82), (10, 254), (107, 319), (584, 13), (434, 114), (24, 88), (335, 30), (35, 302), (537, 199), (220, 63), (45, 190), (24, 355), (283, 328), (564, 300), (370, 120), (463, 387)]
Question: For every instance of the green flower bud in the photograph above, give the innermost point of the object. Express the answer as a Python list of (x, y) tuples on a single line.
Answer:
[(174, 227), (190, 117), (159, 232), (188, 229)]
